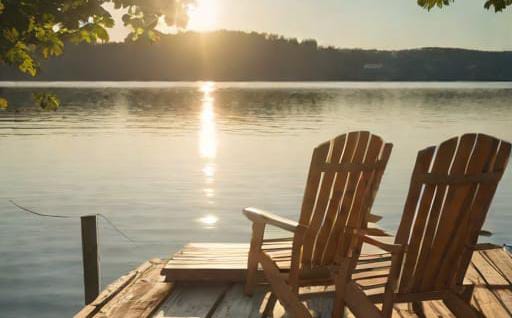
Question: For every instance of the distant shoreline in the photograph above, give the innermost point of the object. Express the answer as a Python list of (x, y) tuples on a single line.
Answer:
[(255, 57), (261, 84)]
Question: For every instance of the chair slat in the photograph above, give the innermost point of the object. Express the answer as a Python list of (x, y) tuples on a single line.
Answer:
[(346, 201), (331, 212), (486, 177), (419, 236), (442, 234), (341, 181), (374, 149), (435, 211), (310, 193), (483, 154), (359, 210), (422, 165), (481, 207), (336, 150)]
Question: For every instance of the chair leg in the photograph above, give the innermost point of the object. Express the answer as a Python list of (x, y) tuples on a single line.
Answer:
[(283, 291), (250, 280), (467, 293), (417, 307), (359, 304), (269, 307), (459, 307), (392, 283), (340, 283), (338, 309), (258, 230)]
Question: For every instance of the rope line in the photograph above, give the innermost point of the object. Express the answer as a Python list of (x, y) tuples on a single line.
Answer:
[(39, 213), (126, 237), (100, 215)]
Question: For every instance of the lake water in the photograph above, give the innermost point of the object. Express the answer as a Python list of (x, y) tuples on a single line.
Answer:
[(170, 163)]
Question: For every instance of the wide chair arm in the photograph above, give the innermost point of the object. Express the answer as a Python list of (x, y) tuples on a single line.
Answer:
[(260, 216), (391, 248), (375, 231), (374, 218)]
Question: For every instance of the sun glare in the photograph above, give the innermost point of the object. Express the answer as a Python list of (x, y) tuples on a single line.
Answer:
[(202, 15), (209, 220), (207, 135)]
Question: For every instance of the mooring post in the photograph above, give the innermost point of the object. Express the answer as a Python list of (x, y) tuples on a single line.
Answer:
[(90, 257)]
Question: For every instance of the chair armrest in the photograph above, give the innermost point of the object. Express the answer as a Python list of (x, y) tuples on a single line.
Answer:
[(484, 232), (375, 231), (374, 218), (485, 246), (392, 248), (260, 216)]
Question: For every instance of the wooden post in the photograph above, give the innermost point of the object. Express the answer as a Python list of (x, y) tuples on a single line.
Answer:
[(90, 257)]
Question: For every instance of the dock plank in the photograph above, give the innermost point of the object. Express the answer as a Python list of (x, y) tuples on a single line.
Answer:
[(140, 298), (228, 261), (133, 295), (484, 300), (192, 300), (501, 261), (236, 305)]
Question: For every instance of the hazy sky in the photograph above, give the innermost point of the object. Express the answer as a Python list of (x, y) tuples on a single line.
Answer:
[(381, 24)]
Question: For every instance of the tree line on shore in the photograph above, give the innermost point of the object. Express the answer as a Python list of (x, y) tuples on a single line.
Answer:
[(242, 56)]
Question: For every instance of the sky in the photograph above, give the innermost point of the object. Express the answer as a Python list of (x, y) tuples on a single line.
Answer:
[(368, 24)]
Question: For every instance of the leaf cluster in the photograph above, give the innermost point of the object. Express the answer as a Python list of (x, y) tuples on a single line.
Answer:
[(497, 5), (46, 101), (31, 30)]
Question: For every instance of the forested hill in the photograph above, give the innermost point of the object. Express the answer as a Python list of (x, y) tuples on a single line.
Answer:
[(239, 56)]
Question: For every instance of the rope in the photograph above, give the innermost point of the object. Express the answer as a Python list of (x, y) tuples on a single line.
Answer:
[(39, 213), (126, 237), (104, 217)]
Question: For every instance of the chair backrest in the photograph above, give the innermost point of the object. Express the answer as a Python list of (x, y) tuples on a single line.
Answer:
[(451, 189), (343, 179)]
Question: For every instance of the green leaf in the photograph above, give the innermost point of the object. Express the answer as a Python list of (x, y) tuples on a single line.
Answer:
[(3, 103), (11, 35), (27, 66), (101, 33), (153, 36), (85, 36), (126, 19), (47, 101)]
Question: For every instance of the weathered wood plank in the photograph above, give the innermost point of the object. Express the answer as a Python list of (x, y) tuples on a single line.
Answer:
[(116, 287), (236, 305), (490, 275), (484, 300), (139, 298), (501, 260), (192, 301), (228, 261), (494, 280)]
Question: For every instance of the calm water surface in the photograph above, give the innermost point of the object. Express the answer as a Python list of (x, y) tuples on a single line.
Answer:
[(172, 163)]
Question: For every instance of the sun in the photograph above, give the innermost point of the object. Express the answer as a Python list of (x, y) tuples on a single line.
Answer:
[(202, 15)]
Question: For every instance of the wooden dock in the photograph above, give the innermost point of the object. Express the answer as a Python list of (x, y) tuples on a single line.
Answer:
[(144, 292)]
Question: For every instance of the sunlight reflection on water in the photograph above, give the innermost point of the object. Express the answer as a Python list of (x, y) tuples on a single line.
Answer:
[(208, 149)]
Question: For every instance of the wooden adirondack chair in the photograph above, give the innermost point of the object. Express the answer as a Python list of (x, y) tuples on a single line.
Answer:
[(451, 189), (343, 179)]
